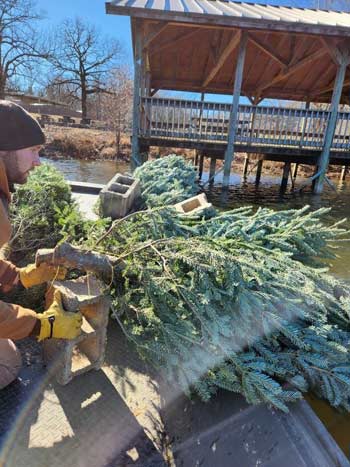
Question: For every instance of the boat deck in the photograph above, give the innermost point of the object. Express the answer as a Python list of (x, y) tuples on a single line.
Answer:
[(124, 415)]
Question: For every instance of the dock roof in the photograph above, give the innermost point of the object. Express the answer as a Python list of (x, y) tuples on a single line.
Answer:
[(240, 14), (192, 45)]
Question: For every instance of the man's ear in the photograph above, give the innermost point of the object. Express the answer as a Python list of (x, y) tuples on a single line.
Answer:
[(5, 226)]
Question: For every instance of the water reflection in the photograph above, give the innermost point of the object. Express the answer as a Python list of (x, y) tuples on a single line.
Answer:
[(88, 171)]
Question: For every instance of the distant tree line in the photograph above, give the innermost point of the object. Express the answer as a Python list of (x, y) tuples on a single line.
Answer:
[(75, 65)]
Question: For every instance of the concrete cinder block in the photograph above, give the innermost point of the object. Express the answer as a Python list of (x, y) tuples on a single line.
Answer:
[(119, 196), (70, 358), (195, 205)]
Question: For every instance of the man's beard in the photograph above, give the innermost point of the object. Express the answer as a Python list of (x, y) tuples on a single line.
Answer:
[(14, 174)]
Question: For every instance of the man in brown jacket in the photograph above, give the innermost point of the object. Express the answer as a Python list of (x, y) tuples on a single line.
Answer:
[(20, 141)]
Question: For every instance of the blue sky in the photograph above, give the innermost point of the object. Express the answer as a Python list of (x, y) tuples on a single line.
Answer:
[(119, 26), (94, 12)]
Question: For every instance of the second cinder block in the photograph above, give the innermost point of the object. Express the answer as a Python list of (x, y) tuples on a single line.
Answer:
[(196, 204)]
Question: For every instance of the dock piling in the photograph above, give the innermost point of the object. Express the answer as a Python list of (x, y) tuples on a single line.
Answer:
[(196, 158), (295, 170), (245, 166), (258, 171), (343, 173), (201, 165), (285, 176), (212, 170)]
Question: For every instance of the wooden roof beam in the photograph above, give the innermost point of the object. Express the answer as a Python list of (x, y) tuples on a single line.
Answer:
[(228, 50), (332, 49), (340, 55), (329, 88), (268, 51), (157, 31), (289, 70), (293, 41), (174, 42)]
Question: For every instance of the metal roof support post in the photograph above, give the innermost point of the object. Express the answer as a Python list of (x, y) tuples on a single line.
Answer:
[(146, 73), (135, 147), (323, 160), (200, 116), (304, 120), (234, 109)]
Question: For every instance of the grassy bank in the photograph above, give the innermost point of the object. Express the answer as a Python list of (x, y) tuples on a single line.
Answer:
[(81, 143), (85, 143)]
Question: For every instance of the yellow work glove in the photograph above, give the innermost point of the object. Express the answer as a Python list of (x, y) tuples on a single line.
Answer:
[(58, 323), (35, 275)]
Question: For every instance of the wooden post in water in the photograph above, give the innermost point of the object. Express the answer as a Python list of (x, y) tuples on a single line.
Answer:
[(196, 157), (295, 170), (343, 173), (234, 109), (285, 176), (135, 146), (201, 165), (258, 171), (332, 121), (212, 170), (245, 166)]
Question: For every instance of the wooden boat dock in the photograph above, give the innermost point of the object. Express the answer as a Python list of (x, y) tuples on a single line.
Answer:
[(237, 50)]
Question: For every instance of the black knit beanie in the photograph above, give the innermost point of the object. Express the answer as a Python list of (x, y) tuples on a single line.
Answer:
[(18, 129)]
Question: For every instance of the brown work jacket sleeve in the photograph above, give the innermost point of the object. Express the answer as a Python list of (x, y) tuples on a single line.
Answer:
[(5, 226), (16, 322), (9, 274)]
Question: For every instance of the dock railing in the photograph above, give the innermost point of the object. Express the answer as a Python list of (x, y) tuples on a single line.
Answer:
[(167, 118)]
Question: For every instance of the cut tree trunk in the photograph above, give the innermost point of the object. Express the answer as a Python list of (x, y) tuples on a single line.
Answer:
[(76, 258)]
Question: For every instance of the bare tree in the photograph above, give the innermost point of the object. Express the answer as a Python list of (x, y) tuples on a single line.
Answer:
[(116, 106), (20, 43), (61, 92), (82, 58)]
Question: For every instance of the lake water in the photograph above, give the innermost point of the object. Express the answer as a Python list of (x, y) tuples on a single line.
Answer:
[(87, 171), (266, 194), (240, 194)]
